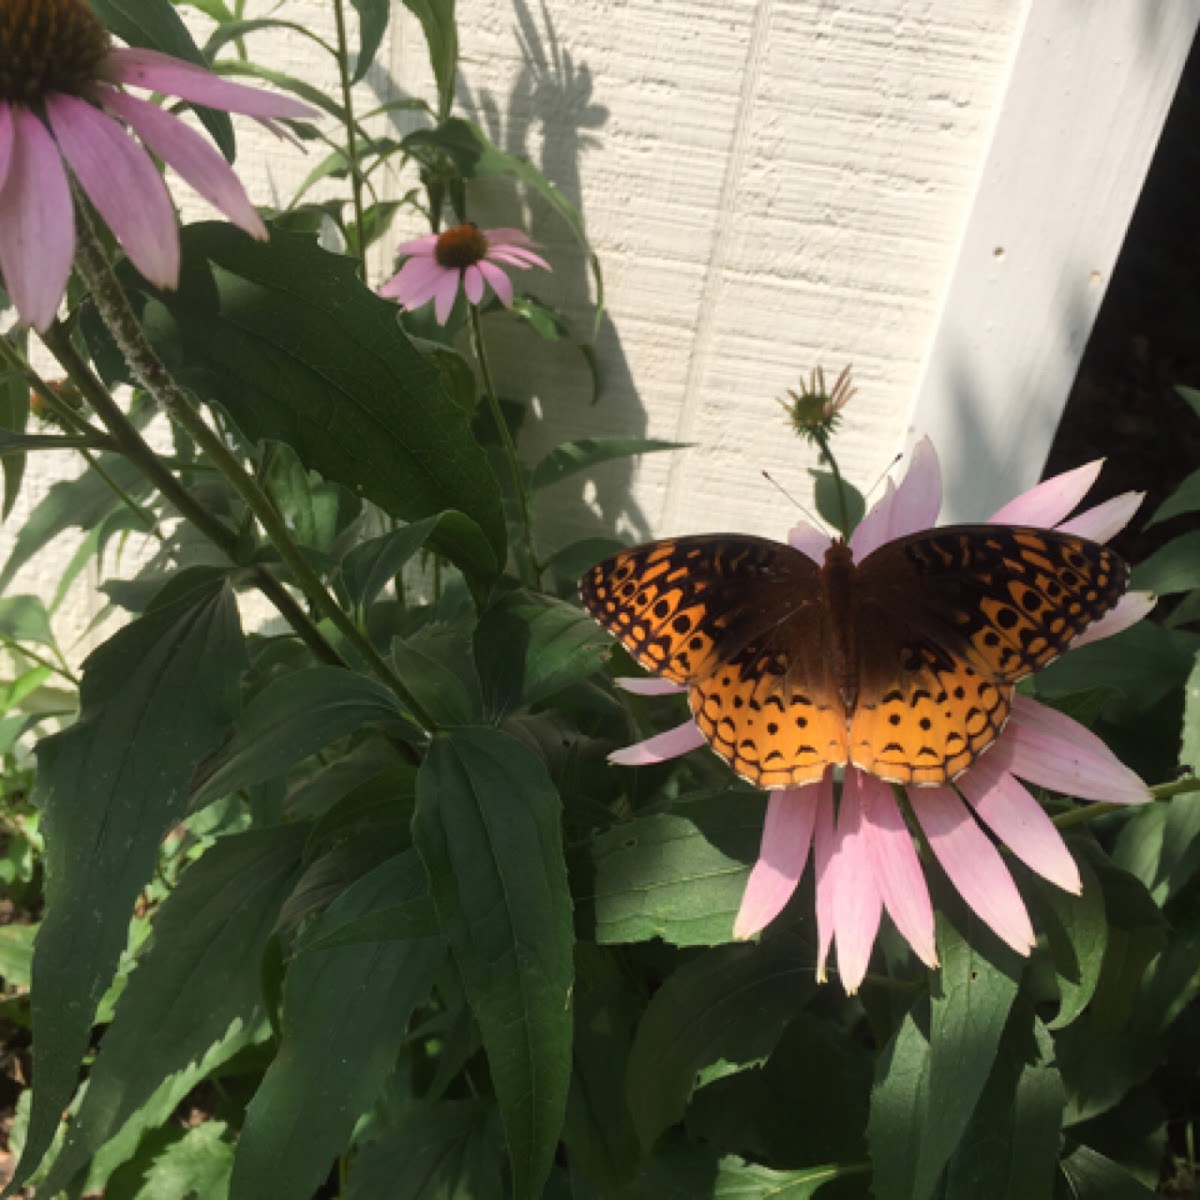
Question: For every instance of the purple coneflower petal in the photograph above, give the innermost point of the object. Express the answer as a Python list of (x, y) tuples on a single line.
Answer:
[(444, 292), (823, 837), (641, 686), (7, 133), (1050, 501), (415, 282), (786, 837), (1105, 520), (812, 543), (1020, 822), (422, 245), (198, 85), (190, 154), (857, 905), (473, 283), (37, 219), (683, 739), (501, 284), (123, 184), (1129, 610), (506, 235), (1048, 748), (522, 259), (911, 507), (896, 868), (974, 865), (871, 531)]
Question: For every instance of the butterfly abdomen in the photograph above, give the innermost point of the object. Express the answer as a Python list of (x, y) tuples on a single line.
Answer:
[(837, 592)]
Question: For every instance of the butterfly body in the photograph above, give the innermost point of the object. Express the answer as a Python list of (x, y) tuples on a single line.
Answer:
[(902, 664)]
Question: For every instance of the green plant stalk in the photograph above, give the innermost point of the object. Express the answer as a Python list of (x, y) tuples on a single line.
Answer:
[(131, 443), (1160, 791), (510, 449), (153, 375), (343, 61), (839, 484), (60, 669)]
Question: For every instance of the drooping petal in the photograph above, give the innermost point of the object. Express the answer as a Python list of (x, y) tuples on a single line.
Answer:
[(414, 284), (896, 868), (683, 739), (641, 686), (787, 834), (506, 235), (473, 284), (1048, 748), (196, 160), (973, 864), (1051, 500), (422, 245), (522, 259), (823, 838), (7, 134), (37, 221), (444, 292), (501, 284), (162, 73), (871, 532), (123, 184), (1129, 610), (1019, 821), (812, 543), (857, 905), (1106, 520)]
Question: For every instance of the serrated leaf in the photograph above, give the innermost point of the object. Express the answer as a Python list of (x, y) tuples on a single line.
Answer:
[(730, 1005), (569, 458), (689, 1172), (487, 828), (286, 339), (678, 876), (197, 1165), (345, 1016), (155, 699), (441, 37), (292, 717)]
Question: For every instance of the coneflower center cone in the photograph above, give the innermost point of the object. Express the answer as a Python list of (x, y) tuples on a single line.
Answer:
[(49, 46)]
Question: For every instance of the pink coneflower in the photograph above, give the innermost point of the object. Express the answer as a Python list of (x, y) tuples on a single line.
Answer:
[(62, 106), (439, 262), (863, 855)]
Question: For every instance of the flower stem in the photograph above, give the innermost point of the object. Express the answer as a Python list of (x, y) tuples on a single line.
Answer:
[(1160, 791), (343, 61), (530, 568), (822, 440)]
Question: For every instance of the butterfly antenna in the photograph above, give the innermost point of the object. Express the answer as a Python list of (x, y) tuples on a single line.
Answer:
[(812, 518)]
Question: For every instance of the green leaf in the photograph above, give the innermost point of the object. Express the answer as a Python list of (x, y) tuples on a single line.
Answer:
[(372, 24), (1189, 749), (1191, 395), (195, 997), (688, 1172), (316, 512), (569, 458), (292, 717), (729, 1006), (156, 698), (435, 1152), (24, 619), (441, 36), (675, 875), (487, 828), (1184, 499), (1172, 568), (345, 1016), (286, 339), (16, 954), (1160, 845), (14, 413), (436, 666), (529, 646), (156, 25), (829, 495), (1091, 1176), (197, 1165), (926, 1090), (552, 326)]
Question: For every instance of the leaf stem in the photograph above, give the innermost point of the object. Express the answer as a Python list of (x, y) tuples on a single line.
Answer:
[(343, 61), (822, 441)]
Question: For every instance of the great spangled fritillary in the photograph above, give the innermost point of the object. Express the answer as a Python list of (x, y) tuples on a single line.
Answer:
[(902, 665)]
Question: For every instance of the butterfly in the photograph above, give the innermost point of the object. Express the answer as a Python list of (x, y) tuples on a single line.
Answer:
[(902, 665)]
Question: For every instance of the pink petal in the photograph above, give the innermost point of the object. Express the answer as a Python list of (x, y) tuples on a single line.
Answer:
[(1020, 822), (823, 839), (1051, 500), (639, 686), (422, 245), (121, 181), (812, 543), (7, 134), (1048, 748), (857, 906), (415, 283), (444, 292), (913, 506), (501, 284), (872, 531), (507, 236), (1129, 610), (162, 73), (1106, 520), (193, 157), (787, 834), (973, 864), (37, 220), (683, 739), (473, 284), (522, 259), (897, 869)]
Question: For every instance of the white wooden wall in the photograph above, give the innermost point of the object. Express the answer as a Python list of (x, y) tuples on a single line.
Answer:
[(933, 190)]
